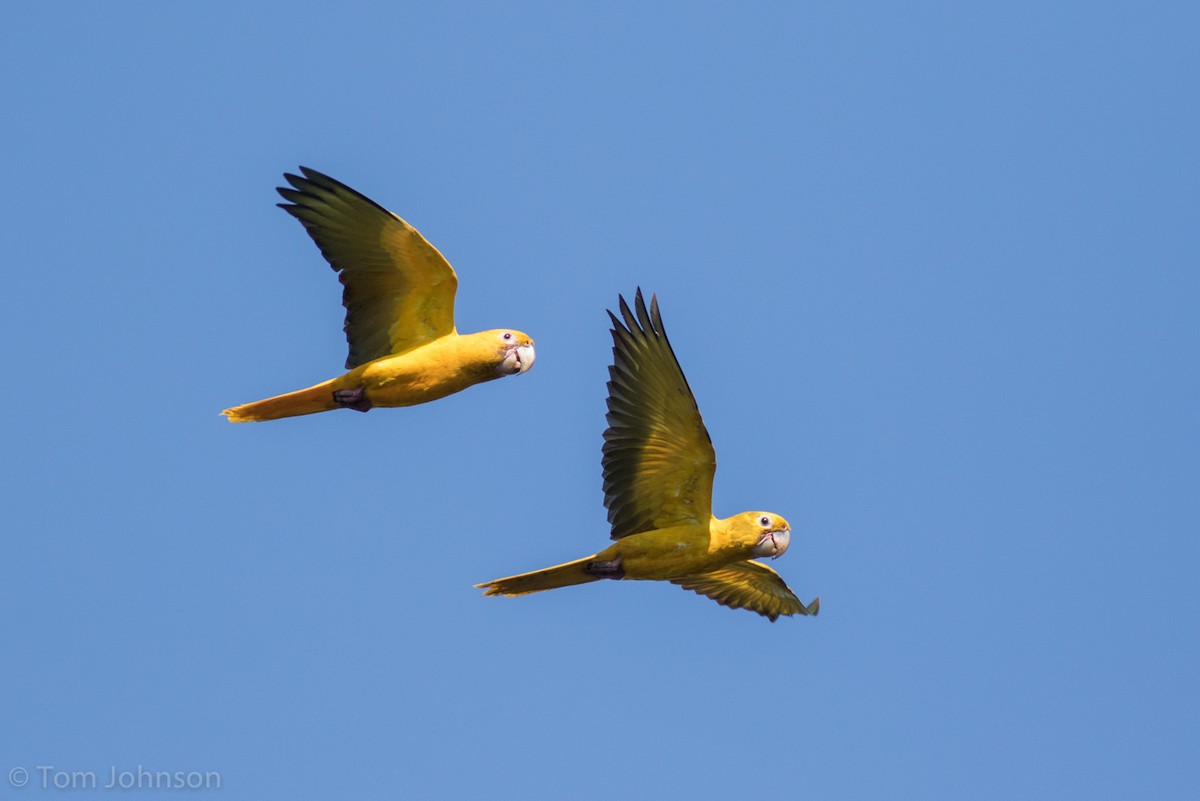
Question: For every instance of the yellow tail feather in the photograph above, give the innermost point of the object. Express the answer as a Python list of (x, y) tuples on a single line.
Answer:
[(551, 578), (302, 401)]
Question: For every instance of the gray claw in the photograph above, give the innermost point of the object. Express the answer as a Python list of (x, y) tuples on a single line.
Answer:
[(355, 399), (606, 568)]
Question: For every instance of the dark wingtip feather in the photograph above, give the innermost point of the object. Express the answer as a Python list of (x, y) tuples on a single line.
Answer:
[(655, 317), (637, 318), (644, 320), (311, 179), (630, 320), (287, 193), (291, 209), (295, 180), (321, 179)]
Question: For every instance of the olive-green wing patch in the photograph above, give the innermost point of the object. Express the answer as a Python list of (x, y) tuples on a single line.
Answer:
[(749, 585), (398, 289), (658, 459)]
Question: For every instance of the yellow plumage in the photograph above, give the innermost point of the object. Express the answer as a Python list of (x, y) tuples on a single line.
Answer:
[(399, 298), (658, 468)]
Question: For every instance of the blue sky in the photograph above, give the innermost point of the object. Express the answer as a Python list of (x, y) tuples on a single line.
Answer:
[(930, 269)]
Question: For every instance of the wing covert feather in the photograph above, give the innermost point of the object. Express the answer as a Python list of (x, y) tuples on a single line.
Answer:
[(749, 585), (398, 289), (658, 460)]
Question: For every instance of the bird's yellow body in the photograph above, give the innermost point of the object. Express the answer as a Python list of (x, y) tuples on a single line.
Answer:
[(714, 560), (658, 471), (671, 553), (399, 298), (439, 368)]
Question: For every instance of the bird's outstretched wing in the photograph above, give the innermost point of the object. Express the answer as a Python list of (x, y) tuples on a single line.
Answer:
[(749, 585), (399, 290), (658, 459)]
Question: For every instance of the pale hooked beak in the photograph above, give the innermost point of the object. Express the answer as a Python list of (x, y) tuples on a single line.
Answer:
[(517, 359), (773, 543)]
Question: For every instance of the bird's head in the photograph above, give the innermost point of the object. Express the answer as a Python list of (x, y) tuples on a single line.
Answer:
[(515, 350), (769, 533)]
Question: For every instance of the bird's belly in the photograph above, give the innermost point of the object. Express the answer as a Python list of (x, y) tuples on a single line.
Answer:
[(410, 378), (653, 556), (664, 568)]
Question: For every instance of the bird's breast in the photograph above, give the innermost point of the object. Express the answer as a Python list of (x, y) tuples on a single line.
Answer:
[(665, 554), (423, 374)]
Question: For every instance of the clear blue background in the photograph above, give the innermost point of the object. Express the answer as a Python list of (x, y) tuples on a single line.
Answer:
[(931, 269)]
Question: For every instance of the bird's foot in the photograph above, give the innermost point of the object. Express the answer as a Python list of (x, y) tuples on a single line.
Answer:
[(355, 399), (605, 568)]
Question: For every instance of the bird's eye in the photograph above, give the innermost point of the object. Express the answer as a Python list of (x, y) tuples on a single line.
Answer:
[(764, 521), (507, 335)]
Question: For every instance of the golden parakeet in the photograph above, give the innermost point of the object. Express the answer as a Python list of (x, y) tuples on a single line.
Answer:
[(399, 299), (658, 466)]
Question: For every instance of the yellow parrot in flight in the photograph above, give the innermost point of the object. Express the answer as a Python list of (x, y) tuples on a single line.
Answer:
[(399, 299), (658, 467)]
